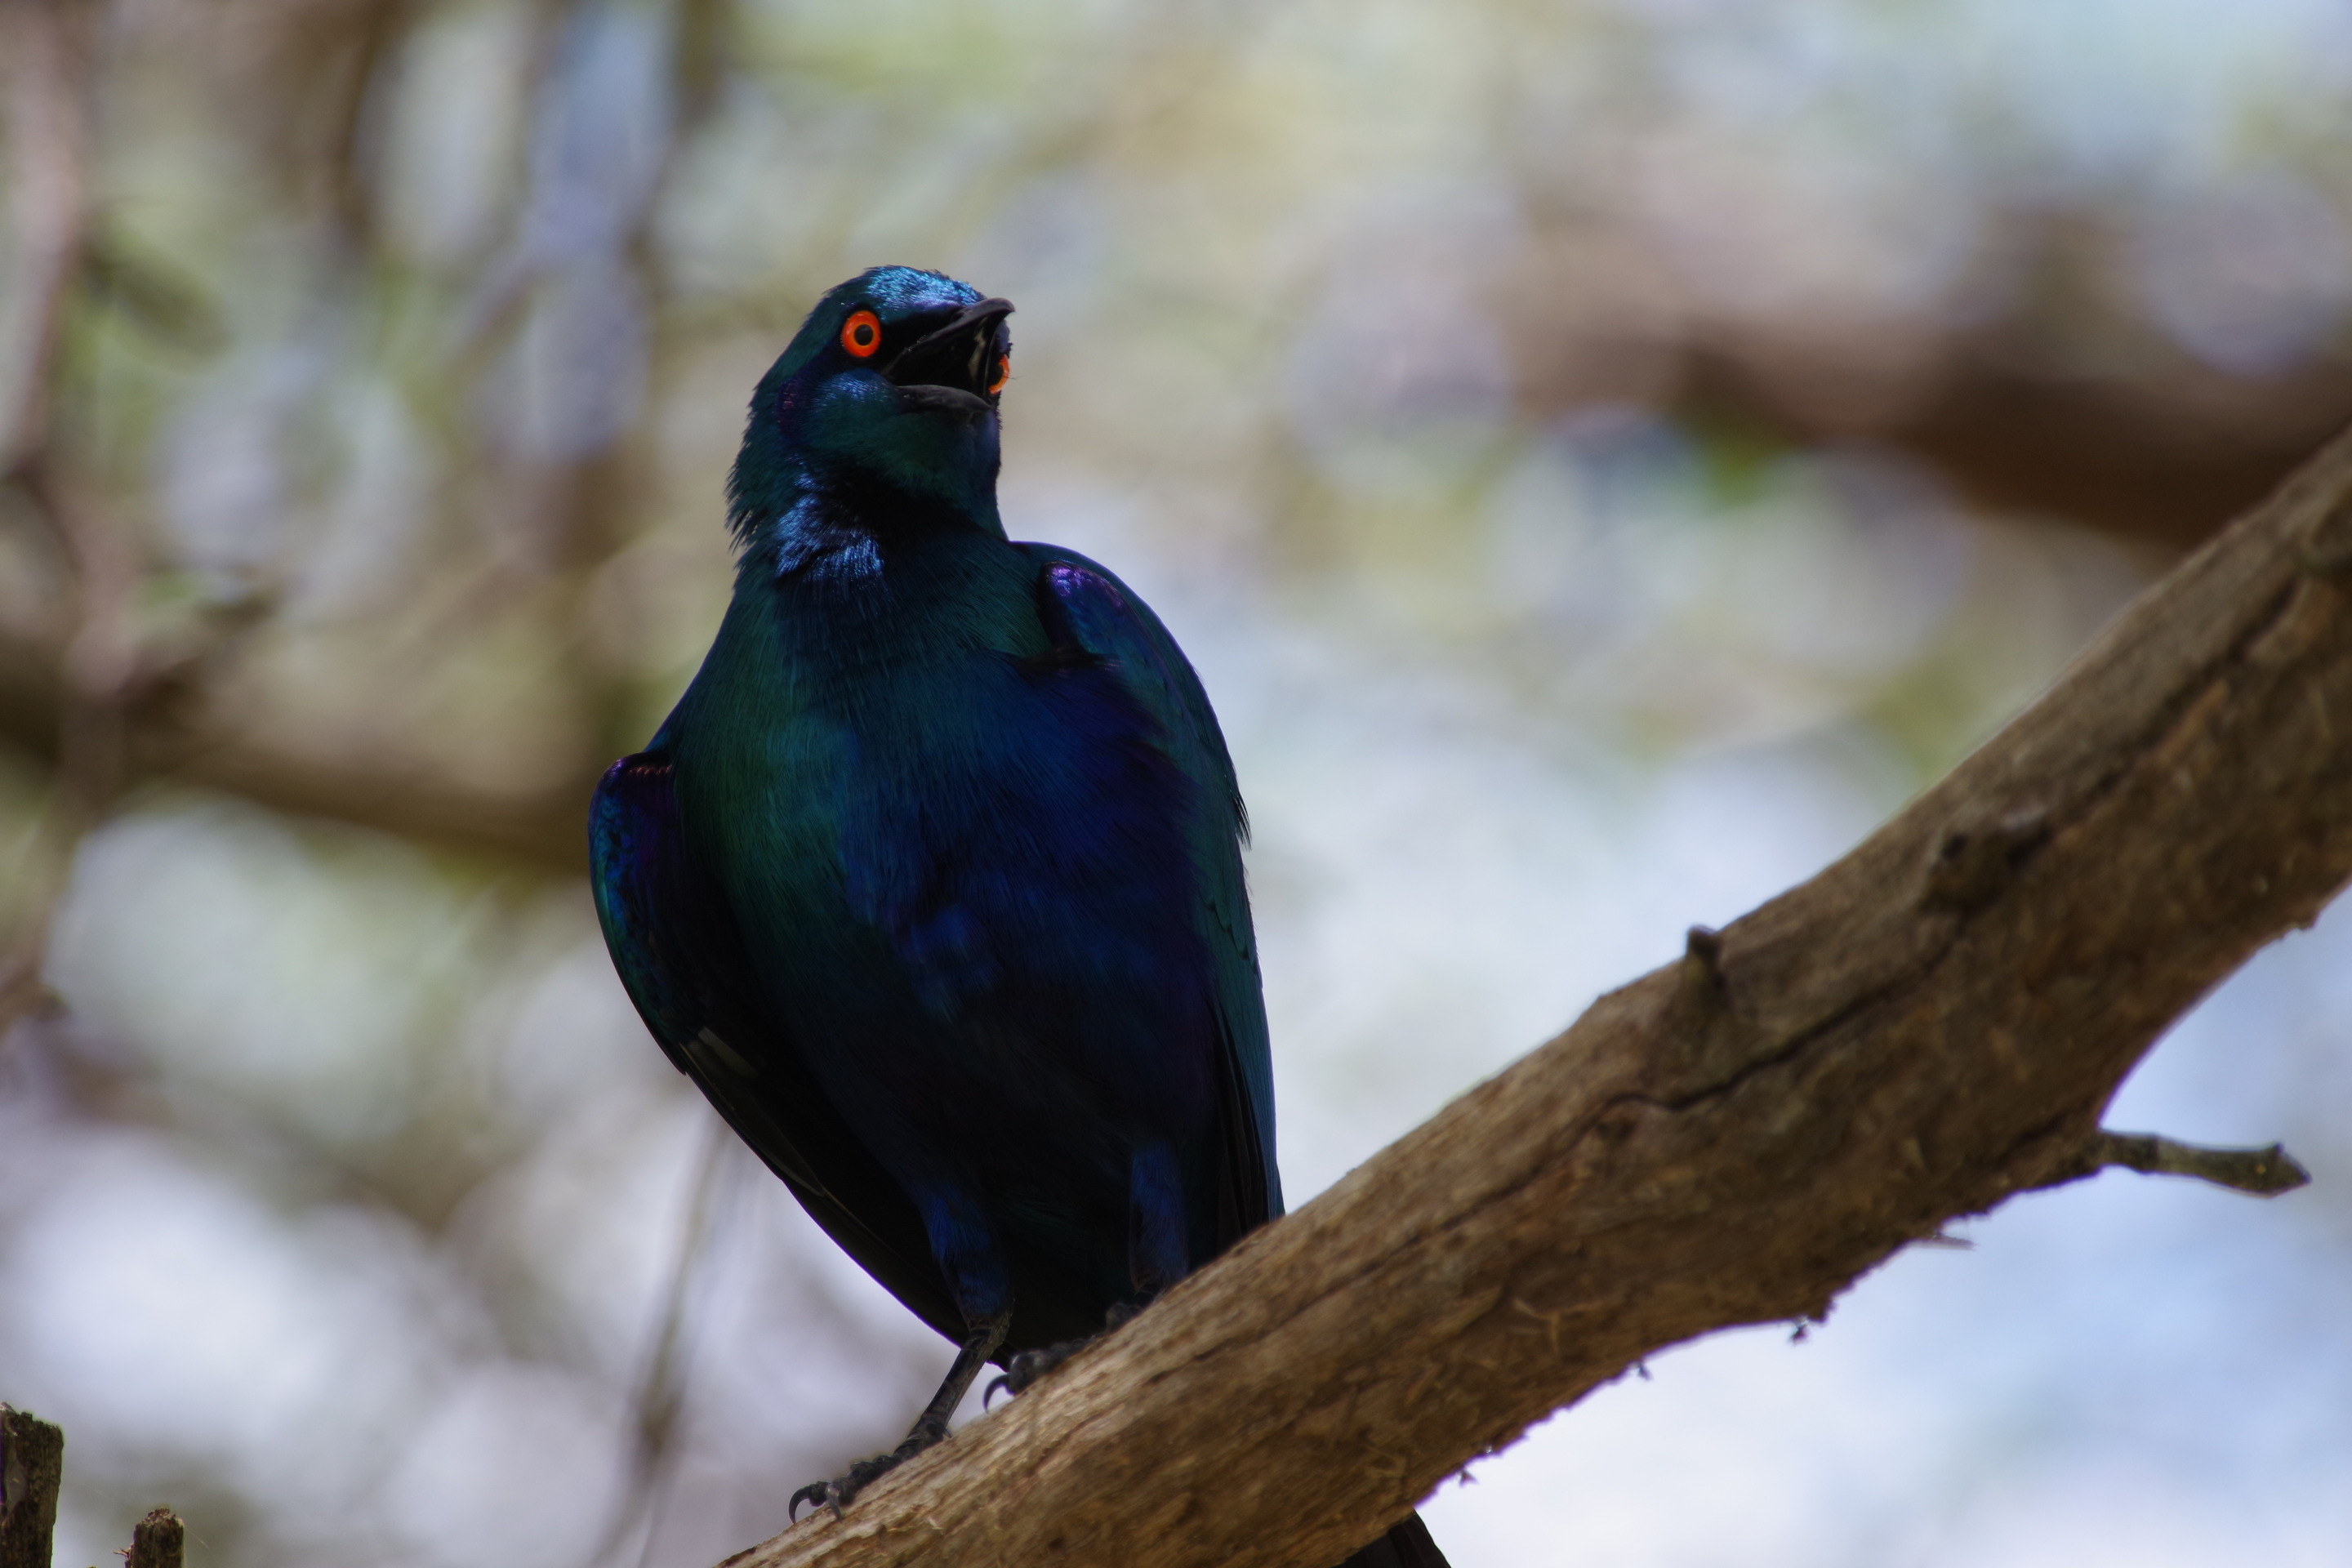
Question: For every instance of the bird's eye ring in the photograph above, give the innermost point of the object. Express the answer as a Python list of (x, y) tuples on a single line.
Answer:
[(862, 334), (1003, 374)]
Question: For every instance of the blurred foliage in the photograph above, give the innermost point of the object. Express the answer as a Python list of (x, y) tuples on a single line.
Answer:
[(1494, 393)]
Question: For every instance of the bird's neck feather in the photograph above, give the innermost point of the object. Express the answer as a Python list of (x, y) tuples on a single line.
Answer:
[(850, 584)]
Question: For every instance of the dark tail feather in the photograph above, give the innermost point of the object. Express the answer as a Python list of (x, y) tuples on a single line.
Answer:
[(1406, 1545)]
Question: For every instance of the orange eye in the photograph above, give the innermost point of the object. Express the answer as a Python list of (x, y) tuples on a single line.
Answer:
[(1003, 374), (862, 334)]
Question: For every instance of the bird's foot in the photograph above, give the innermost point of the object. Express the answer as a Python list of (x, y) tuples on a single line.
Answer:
[(841, 1490), (1021, 1372), (1024, 1371)]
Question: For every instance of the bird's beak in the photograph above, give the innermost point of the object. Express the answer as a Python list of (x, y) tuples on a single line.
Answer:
[(953, 367)]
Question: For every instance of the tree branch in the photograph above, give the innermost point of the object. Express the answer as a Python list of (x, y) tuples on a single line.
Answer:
[(1927, 1027)]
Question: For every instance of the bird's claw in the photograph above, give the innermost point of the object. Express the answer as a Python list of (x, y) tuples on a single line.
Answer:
[(1022, 1371), (827, 1493), (841, 1490)]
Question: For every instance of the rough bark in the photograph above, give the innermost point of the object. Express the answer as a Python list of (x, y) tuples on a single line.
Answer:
[(32, 1456), (158, 1541), (1928, 1027)]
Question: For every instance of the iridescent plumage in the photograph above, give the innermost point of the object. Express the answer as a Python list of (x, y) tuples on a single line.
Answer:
[(932, 880)]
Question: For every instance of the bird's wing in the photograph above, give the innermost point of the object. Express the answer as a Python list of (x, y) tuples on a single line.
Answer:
[(676, 943), (1086, 607)]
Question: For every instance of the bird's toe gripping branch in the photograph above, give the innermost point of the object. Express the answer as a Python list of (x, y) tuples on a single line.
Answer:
[(930, 1429), (841, 1490), (1027, 1369)]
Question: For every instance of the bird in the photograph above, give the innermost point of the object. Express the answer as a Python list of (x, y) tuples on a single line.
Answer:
[(933, 879)]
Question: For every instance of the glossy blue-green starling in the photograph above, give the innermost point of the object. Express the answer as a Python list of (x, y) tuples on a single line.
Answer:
[(932, 880)]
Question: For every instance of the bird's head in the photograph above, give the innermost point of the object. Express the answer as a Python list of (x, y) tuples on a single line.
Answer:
[(890, 383)]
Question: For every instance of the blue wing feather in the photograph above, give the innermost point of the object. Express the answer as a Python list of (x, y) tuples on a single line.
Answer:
[(1086, 606), (682, 958)]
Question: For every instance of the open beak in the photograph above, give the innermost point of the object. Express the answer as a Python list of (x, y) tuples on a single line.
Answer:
[(956, 368)]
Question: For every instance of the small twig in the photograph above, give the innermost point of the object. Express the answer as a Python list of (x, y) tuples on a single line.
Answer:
[(102, 656), (159, 1540), (24, 987), (2264, 1172), (32, 1454), (660, 1396), (45, 49), (100, 665)]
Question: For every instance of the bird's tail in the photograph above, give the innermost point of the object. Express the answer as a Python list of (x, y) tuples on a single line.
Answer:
[(1406, 1545)]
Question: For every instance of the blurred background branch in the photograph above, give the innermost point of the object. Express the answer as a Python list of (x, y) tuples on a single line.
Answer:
[(541, 831), (1605, 455), (47, 109), (47, 73)]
